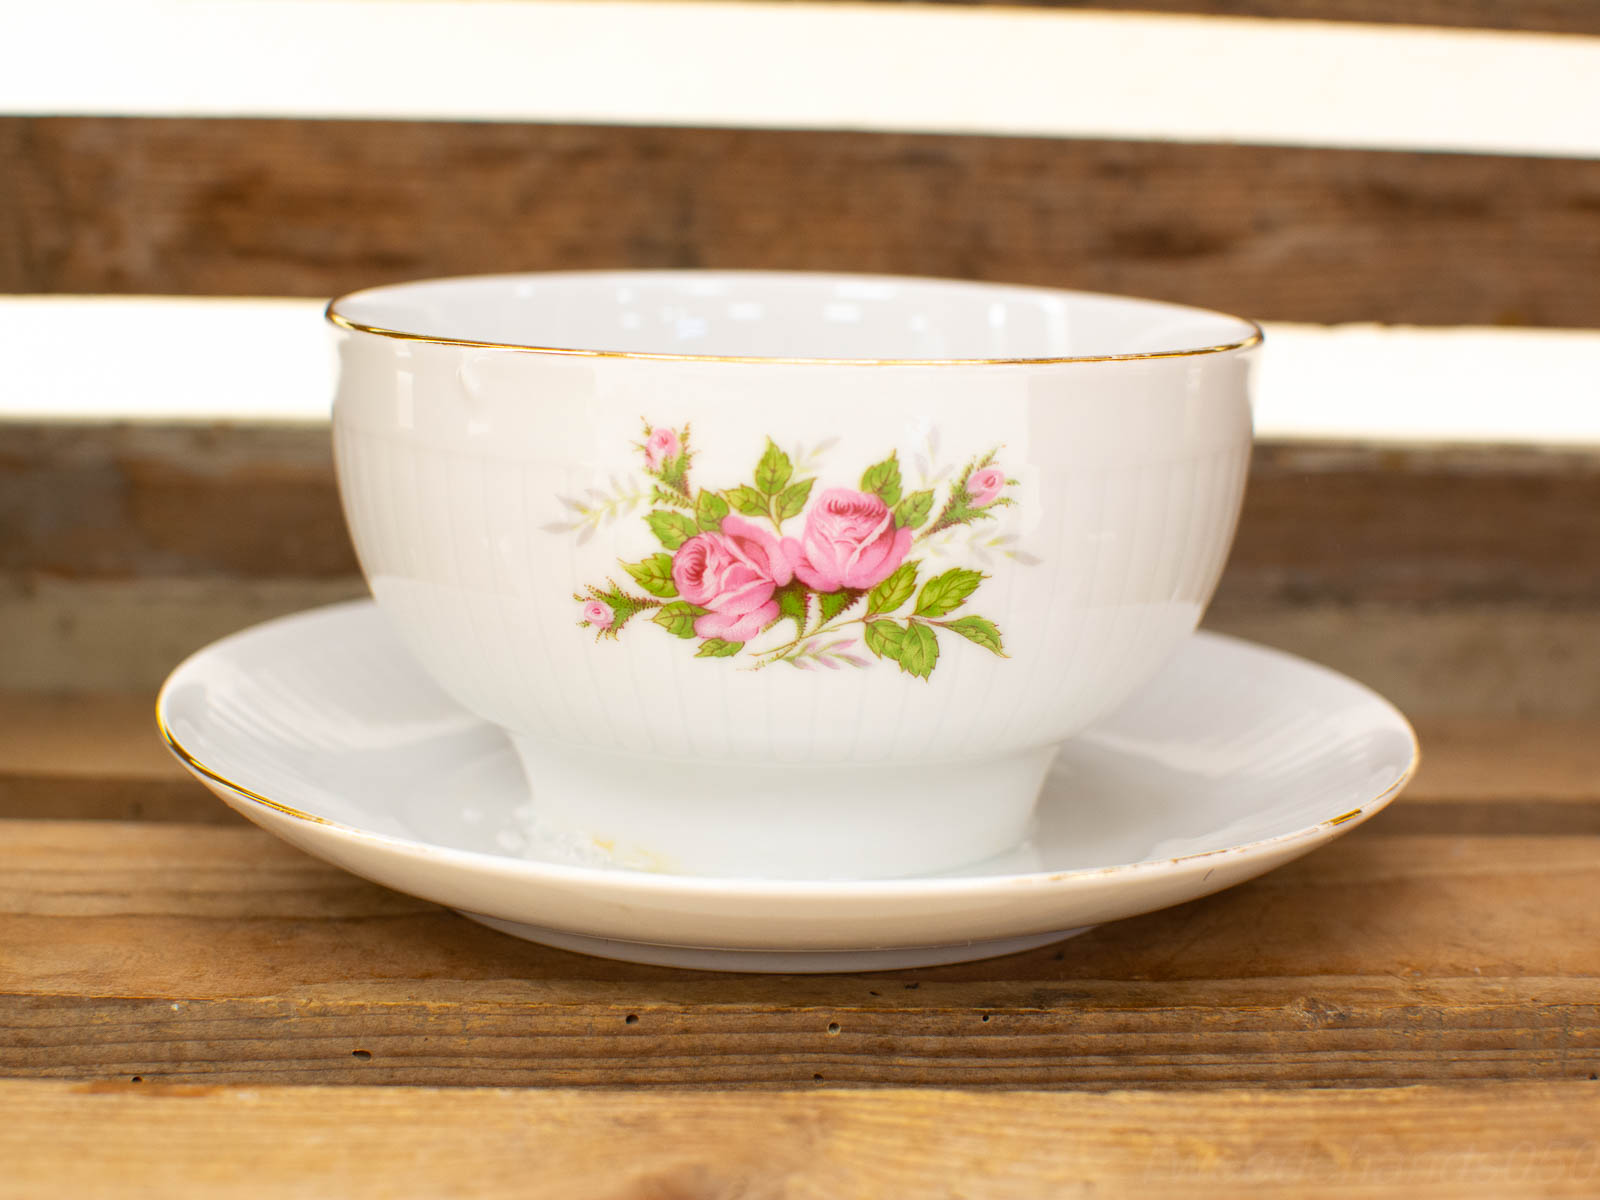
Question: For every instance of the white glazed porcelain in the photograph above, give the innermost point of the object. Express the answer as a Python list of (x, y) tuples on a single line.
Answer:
[(790, 576), (1233, 760)]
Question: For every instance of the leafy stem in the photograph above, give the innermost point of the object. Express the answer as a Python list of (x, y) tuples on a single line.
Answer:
[(793, 646)]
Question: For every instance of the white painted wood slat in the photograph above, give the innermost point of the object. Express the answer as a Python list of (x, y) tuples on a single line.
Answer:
[(271, 360), (981, 70)]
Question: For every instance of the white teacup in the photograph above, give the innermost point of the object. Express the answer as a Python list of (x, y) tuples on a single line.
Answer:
[(788, 575)]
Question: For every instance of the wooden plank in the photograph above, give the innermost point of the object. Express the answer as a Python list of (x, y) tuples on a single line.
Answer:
[(1467, 660), (1446, 577), (97, 756), (1530, 659), (78, 798), (189, 954), (60, 1139), (74, 798), (110, 501), (1322, 521), (312, 208), (90, 736), (1426, 525)]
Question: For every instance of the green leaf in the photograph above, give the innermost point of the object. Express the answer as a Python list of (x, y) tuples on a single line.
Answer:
[(709, 510), (792, 500), (774, 469), (832, 604), (884, 639), (883, 480), (912, 512), (920, 650), (662, 495), (748, 501), (791, 598), (947, 592), (717, 648), (654, 575), (673, 529), (978, 630), (895, 590), (678, 617)]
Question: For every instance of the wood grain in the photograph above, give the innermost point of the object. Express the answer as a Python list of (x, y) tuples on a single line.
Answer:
[(188, 954), (144, 1140), (313, 208), (98, 757), (1498, 660), (1321, 521)]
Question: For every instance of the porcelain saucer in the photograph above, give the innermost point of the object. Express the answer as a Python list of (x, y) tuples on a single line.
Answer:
[(1234, 760)]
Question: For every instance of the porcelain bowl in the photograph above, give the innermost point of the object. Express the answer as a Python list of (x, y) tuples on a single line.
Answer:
[(788, 575)]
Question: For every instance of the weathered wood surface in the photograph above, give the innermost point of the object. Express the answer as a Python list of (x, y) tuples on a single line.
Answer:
[(98, 757), (1321, 521), (1450, 940), (1455, 579), (1529, 660), (313, 208), (224, 1143), (188, 954)]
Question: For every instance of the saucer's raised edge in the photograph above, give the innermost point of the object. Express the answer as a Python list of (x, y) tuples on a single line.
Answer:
[(199, 768), (614, 877)]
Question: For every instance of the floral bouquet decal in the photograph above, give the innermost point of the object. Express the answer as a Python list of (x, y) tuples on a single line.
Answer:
[(769, 572)]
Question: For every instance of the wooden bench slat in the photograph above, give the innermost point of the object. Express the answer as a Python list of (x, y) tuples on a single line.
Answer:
[(355, 1142), (1321, 521), (184, 953), (77, 798), (316, 207), (98, 756)]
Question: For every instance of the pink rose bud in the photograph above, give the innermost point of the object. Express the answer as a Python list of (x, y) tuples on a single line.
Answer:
[(734, 573), (598, 614), (661, 447), (985, 486), (850, 541)]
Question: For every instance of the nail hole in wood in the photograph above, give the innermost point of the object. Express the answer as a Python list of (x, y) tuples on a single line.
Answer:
[(816, 1079), (140, 1079), (985, 1018), (363, 1055), (833, 1028), (631, 1019)]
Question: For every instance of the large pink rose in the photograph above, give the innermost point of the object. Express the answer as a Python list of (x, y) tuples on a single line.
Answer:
[(733, 573), (850, 541)]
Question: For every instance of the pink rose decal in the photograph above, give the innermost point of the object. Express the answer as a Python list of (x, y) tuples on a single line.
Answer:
[(850, 541), (734, 573), (773, 568), (985, 486), (661, 447)]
